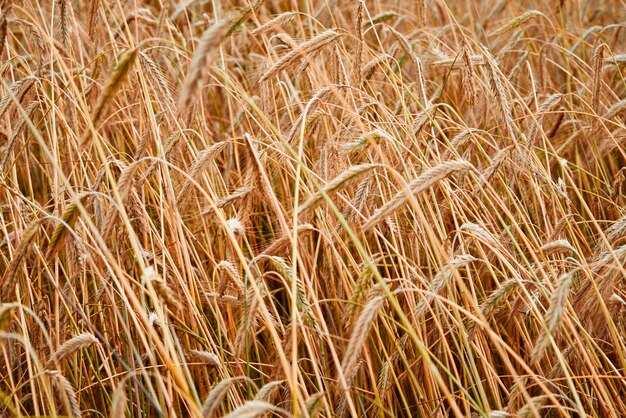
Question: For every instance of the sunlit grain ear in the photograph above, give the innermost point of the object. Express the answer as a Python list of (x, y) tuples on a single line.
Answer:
[(340, 181), (202, 162), (115, 81), (469, 75), (305, 49), (20, 126), (204, 57), (119, 401), (363, 324), (10, 275), (93, 17), (3, 33), (212, 402), (358, 59), (64, 13), (554, 315), (76, 343), (421, 183)]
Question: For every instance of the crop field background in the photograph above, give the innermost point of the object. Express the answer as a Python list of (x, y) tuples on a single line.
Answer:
[(305, 208)]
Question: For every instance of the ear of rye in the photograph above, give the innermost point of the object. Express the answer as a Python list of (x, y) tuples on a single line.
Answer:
[(554, 315), (204, 57), (423, 182), (341, 180)]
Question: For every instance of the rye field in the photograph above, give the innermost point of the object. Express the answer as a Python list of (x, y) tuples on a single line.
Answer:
[(312, 208)]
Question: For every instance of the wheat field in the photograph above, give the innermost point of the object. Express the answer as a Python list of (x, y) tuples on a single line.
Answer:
[(307, 208)]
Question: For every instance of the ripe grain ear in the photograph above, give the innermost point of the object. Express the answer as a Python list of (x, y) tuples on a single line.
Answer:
[(335, 184), (63, 20), (205, 56), (469, 75), (428, 179), (72, 345), (118, 401), (554, 315), (3, 33), (363, 324), (68, 219), (275, 23), (65, 387), (302, 50), (17, 129), (598, 59), (358, 60), (115, 81), (199, 166), (94, 7), (214, 399), (10, 275)]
